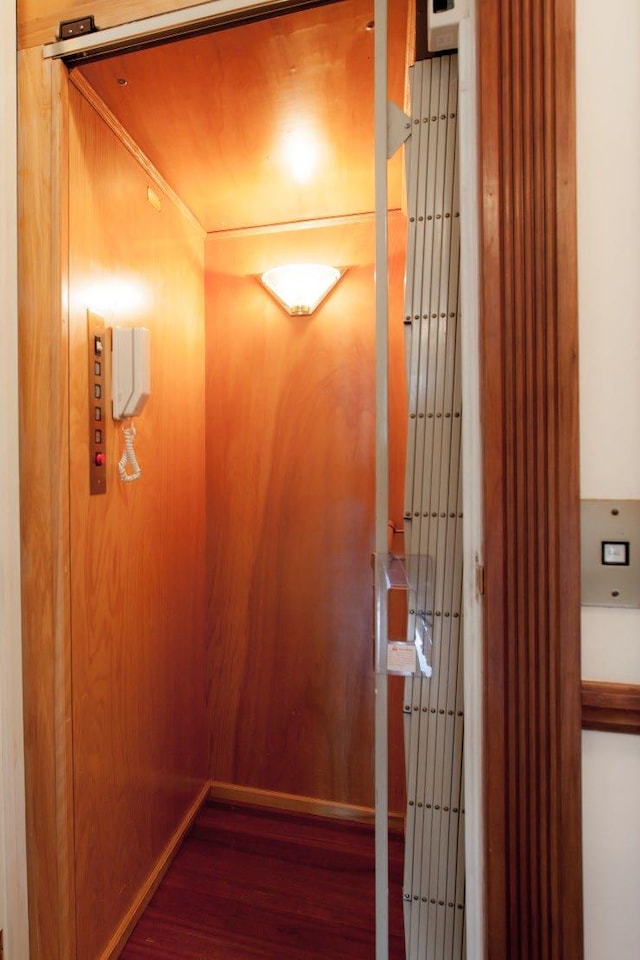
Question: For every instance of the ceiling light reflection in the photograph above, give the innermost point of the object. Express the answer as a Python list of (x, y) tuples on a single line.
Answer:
[(301, 154), (119, 296)]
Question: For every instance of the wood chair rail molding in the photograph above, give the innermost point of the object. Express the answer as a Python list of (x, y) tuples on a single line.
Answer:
[(611, 707), (529, 397)]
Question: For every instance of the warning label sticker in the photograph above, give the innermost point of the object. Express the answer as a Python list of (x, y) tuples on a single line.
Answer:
[(401, 657)]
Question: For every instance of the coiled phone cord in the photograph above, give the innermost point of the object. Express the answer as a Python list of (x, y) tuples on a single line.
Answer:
[(129, 457)]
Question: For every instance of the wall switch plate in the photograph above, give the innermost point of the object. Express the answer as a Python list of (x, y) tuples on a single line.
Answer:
[(443, 21), (610, 553)]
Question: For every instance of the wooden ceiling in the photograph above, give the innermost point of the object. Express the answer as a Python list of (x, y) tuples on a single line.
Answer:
[(266, 123)]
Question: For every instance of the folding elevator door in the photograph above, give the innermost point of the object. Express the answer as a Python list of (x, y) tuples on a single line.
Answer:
[(434, 853)]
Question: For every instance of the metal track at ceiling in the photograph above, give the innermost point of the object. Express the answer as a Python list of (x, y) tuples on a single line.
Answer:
[(167, 27)]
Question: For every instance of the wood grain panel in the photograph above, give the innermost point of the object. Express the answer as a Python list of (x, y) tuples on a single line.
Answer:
[(44, 485), (137, 557), (265, 123), (154, 879), (343, 241), (529, 336), (38, 20), (125, 138), (612, 707), (290, 477)]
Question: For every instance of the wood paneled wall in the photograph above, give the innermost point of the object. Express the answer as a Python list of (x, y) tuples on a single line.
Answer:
[(137, 553), (290, 486), (529, 371), (44, 501), (38, 20)]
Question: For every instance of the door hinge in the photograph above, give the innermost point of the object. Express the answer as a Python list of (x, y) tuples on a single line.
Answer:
[(479, 579), (76, 28)]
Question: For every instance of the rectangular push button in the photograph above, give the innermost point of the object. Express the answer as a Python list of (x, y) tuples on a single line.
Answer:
[(615, 553)]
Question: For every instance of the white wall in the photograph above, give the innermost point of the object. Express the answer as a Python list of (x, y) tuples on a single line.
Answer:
[(608, 88), (13, 897), (611, 783)]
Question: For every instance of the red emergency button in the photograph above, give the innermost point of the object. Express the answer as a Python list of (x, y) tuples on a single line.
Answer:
[(100, 459)]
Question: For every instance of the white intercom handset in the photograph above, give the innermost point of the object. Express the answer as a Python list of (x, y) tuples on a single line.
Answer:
[(130, 386), (130, 370)]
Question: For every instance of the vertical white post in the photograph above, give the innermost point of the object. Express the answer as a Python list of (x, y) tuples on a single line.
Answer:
[(381, 765), (382, 485), (382, 294), (472, 487), (13, 883)]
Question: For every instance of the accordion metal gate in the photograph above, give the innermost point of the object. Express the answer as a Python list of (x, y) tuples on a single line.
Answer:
[(434, 851)]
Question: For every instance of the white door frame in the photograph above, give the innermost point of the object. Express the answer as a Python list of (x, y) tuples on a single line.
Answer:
[(472, 487), (13, 857)]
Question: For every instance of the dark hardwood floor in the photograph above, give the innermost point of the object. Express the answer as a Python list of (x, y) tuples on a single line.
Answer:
[(252, 884)]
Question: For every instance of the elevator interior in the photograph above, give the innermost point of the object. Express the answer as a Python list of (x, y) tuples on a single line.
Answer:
[(221, 606)]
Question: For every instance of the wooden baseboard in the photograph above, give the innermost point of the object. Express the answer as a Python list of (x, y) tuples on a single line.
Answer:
[(312, 806), (611, 707), (149, 887)]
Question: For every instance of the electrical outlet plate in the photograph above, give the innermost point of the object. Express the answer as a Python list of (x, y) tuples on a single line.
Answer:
[(613, 522), (443, 21)]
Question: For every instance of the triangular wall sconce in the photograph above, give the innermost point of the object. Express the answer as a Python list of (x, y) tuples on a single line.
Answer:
[(300, 288)]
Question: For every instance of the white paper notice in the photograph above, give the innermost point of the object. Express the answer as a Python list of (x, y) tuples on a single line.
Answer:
[(401, 657)]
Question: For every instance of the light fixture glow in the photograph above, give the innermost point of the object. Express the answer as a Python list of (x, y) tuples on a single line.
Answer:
[(301, 154), (301, 287), (120, 295)]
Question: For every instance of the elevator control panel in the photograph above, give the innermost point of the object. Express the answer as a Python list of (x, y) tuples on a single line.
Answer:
[(610, 553), (98, 357)]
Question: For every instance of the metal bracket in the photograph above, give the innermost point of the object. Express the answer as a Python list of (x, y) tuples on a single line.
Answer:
[(398, 128), (76, 28)]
